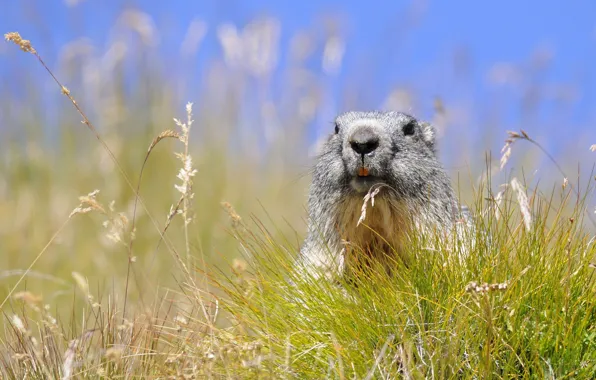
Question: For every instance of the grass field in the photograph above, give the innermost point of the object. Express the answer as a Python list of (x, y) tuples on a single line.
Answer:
[(191, 280)]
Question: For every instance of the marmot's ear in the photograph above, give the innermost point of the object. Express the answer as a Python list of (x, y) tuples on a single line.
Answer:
[(428, 134)]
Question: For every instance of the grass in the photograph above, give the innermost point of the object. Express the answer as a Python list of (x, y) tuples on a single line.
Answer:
[(520, 304)]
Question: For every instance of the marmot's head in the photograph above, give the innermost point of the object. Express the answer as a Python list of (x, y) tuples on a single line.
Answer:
[(390, 149), (370, 148)]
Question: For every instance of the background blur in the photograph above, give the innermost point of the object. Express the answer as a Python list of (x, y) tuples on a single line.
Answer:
[(267, 79)]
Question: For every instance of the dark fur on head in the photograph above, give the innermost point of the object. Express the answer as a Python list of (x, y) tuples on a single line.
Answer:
[(389, 150)]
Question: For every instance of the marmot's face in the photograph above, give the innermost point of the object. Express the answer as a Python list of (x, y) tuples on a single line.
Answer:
[(378, 148)]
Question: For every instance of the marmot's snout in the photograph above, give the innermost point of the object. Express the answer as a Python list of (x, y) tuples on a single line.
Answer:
[(364, 141), (362, 158)]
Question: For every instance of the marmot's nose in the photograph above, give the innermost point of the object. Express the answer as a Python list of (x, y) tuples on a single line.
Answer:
[(364, 141)]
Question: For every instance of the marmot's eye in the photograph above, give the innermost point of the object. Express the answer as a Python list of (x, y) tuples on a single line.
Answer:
[(336, 128), (409, 128)]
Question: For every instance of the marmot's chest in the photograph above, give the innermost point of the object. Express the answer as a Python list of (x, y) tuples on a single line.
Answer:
[(383, 230)]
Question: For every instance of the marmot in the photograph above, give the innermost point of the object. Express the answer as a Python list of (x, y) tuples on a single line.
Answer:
[(389, 151)]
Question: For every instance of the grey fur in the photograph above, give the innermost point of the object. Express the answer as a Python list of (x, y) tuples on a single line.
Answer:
[(415, 190)]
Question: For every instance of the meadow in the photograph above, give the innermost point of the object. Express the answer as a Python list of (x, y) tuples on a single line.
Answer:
[(155, 239)]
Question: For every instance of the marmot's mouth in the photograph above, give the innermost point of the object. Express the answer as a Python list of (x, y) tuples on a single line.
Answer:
[(363, 172), (362, 184)]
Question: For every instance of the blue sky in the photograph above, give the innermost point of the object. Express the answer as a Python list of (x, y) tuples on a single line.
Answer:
[(389, 44)]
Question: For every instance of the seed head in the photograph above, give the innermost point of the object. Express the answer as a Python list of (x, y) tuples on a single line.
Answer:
[(25, 45)]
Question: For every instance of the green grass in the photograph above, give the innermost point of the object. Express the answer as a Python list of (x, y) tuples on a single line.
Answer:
[(520, 304), (431, 321), (213, 298)]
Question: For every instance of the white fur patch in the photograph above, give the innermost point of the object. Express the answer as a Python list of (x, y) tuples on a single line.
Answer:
[(367, 122)]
